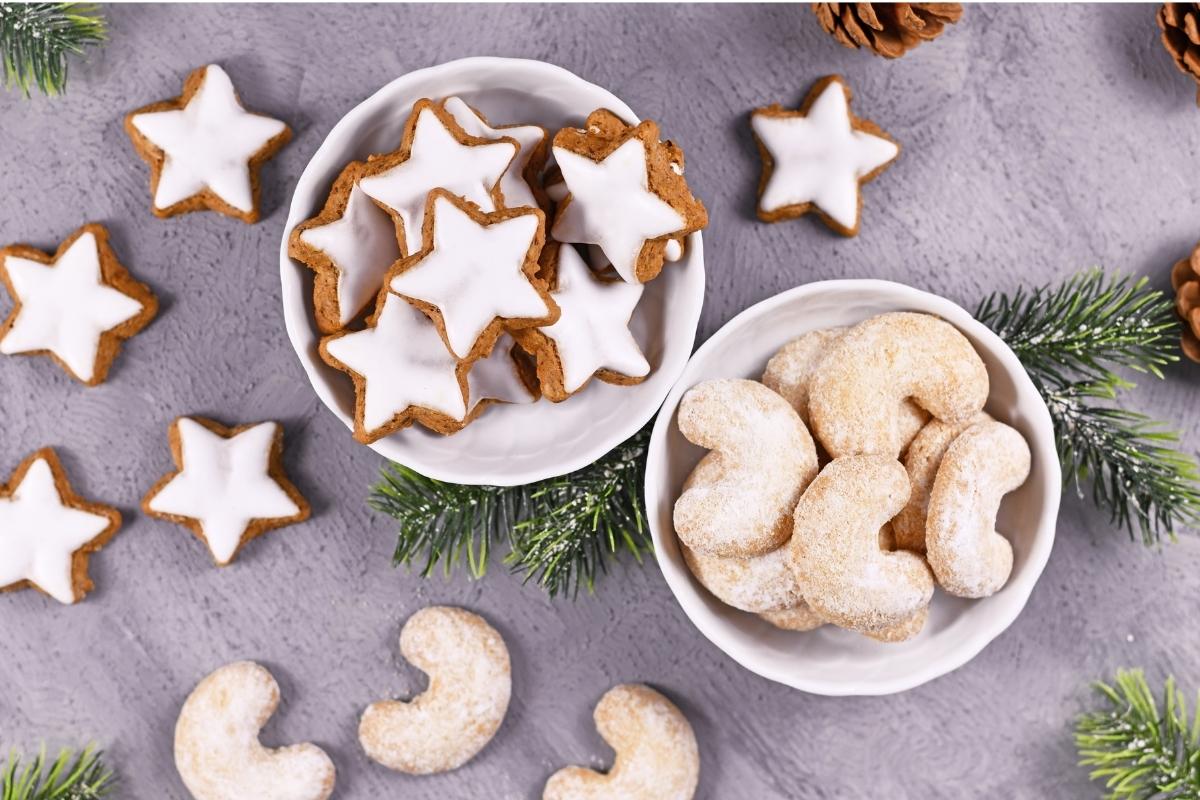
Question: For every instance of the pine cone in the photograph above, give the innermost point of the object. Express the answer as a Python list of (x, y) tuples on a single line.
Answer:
[(1180, 23), (886, 29), (1185, 280)]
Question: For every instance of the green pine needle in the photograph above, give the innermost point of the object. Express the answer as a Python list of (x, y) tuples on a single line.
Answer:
[(1137, 748), (37, 38), (1072, 339), (70, 776), (560, 532)]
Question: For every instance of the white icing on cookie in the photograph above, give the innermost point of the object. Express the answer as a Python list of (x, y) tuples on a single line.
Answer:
[(208, 144), (496, 377), (474, 273), (65, 306), (362, 246), (512, 184), (403, 362), (39, 534), (611, 205), (224, 484), (593, 331), (819, 158), (438, 160), (674, 250)]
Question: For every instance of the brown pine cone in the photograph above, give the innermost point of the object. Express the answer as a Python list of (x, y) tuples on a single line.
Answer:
[(886, 29), (1180, 23), (1185, 280)]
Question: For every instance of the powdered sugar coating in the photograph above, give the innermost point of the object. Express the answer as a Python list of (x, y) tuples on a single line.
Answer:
[(656, 753), (790, 371), (217, 751), (800, 617), (968, 556), (470, 683)]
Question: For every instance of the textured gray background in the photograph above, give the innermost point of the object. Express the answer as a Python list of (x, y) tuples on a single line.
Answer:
[(1038, 140)]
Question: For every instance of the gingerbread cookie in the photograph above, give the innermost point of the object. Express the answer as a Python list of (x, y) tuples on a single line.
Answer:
[(435, 152), (470, 682), (47, 532), (217, 751), (519, 185), (349, 246), (656, 753), (626, 193), (76, 306), (767, 459), (817, 159), (591, 337), (204, 149), (230, 485)]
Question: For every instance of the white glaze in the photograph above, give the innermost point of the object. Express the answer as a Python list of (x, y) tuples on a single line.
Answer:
[(224, 484), (496, 377), (39, 534), (208, 144), (474, 274), (611, 205), (819, 158), (65, 306), (512, 184)]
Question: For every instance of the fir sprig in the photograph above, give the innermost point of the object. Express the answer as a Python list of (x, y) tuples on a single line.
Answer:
[(560, 532), (71, 775), (37, 38), (1137, 748)]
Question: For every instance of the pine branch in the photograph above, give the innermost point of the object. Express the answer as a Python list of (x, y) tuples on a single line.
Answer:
[(70, 776), (37, 38), (1139, 750)]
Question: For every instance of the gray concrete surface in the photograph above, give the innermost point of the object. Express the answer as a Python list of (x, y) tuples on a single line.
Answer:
[(1038, 140)]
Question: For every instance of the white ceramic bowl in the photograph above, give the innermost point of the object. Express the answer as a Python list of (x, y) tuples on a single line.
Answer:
[(507, 445), (829, 660)]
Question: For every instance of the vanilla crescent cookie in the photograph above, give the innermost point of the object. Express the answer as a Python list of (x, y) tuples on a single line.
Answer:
[(968, 556), (519, 186), (800, 617), (839, 566), (857, 394), (217, 751), (656, 753), (767, 458), (470, 682)]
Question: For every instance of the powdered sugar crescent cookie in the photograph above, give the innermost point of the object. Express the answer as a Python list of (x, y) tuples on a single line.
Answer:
[(921, 462), (204, 148), (903, 631), (767, 458), (968, 556), (839, 566), (626, 193), (47, 532), (229, 487), (856, 396), (790, 371), (470, 682), (519, 186), (76, 306), (217, 751), (656, 753), (800, 617)]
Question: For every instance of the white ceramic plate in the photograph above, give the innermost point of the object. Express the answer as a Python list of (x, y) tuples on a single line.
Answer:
[(830, 660), (507, 445)]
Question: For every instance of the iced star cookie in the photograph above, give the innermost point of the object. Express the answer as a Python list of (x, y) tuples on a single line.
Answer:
[(476, 274), (816, 159), (591, 336), (350, 246), (435, 152), (76, 306), (402, 373), (519, 186), (626, 193), (229, 486), (204, 148), (47, 532), (505, 376)]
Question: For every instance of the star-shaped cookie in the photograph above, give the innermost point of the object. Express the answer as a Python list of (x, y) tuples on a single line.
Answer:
[(47, 532), (229, 486), (435, 152), (817, 158), (204, 149), (591, 336), (501, 377), (476, 274), (519, 185), (76, 306)]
